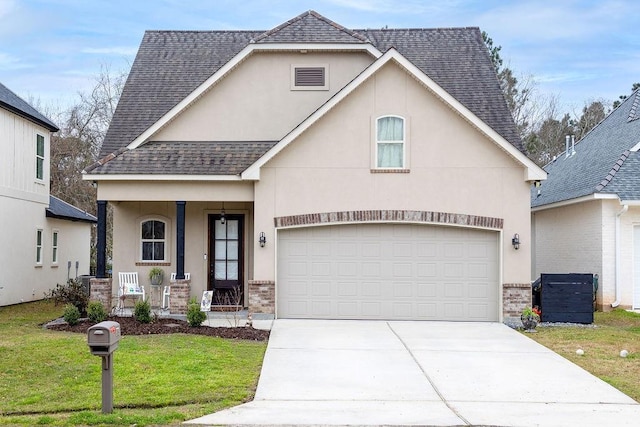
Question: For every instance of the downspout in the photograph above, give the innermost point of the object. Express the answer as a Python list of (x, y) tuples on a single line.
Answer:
[(624, 209)]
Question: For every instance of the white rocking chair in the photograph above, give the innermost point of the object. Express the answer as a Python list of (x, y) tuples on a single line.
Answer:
[(128, 286)]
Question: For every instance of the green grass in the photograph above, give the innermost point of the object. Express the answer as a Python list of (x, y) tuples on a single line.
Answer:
[(50, 378), (614, 331)]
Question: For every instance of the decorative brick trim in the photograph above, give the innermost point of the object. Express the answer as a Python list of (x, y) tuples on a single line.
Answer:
[(390, 170), (515, 297), (390, 216), (152, 264), (101, 290), (262, 296), (180, 294)]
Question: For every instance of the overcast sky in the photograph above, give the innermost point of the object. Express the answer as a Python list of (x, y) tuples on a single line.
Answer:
[(578, 50)]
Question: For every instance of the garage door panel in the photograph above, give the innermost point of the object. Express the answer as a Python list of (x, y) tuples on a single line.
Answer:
[(382, 271)]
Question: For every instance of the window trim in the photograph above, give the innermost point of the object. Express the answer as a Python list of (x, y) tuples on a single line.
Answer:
[(40, 158), (403, 142), (39, 246), (167, 234), (55, 240), (295, 67)]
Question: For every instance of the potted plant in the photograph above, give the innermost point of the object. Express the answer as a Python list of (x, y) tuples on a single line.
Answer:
[(530, 318), (156, 276)]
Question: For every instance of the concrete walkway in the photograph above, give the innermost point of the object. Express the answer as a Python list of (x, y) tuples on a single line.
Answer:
[(421, 373)]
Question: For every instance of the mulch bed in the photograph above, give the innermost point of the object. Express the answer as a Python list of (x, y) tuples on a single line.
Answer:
[(129, 326)]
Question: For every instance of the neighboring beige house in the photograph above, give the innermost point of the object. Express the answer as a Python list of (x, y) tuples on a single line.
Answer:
[(45, 240), (321, 172), (586, 216)]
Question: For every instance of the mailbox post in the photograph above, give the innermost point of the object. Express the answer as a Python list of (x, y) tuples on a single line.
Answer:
[(103, 339)]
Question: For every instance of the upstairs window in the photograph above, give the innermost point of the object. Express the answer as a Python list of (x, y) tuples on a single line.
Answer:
[(309, 77), (390, 142), (40, 157), (153, 240)]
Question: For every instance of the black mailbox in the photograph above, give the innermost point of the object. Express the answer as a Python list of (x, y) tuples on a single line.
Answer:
[(103, 338)]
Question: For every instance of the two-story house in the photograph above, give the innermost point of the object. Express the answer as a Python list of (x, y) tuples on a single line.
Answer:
[(321, 172), (44, 240)]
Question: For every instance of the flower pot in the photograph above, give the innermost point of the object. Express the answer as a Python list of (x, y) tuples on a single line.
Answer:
[(529, 322)]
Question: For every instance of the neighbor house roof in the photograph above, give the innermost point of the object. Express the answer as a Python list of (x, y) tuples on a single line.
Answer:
[(62, 210), (170, 65), (605, 161), (12, 102)]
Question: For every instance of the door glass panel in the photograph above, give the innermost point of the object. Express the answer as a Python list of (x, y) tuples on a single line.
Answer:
[(220, 270), (232, 270), (221, 249), (221, 230), (232, 250), (232, 229)]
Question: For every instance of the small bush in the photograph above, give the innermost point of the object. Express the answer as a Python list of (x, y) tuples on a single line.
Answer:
[(73, 292), (142, 311), (71, 314), (195, 317), (96, 312)]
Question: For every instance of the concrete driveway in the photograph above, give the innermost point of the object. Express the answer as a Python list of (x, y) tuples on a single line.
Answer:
[(421, 373)]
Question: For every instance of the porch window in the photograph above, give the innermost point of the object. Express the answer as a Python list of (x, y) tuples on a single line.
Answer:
[(390, 142), (153, 240)]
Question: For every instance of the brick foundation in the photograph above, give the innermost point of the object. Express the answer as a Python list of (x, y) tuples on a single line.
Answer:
[(180, 294), (515, 297), (262, 296), (101, 290)]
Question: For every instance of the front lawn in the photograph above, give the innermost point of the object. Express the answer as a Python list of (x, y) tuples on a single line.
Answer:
[(49, 377), (614, 331)]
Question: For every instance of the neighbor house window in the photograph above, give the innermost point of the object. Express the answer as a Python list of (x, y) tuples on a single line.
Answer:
[(54, 247), (390, 142), (305, 77), (39, 157), (153, 240), (39, 247)]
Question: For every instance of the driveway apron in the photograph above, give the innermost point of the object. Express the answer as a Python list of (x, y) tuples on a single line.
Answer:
[(332, 372)]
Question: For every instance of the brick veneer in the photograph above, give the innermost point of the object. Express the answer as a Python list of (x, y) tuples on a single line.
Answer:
[(262, 296), (515, 297), (390, 216), (100, 290), (180, 294)]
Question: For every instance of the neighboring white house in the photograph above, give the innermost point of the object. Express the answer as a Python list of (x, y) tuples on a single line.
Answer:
[(44, 240), (586, 215)]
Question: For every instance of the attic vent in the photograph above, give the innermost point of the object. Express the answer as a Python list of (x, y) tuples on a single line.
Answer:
[(309, 77)]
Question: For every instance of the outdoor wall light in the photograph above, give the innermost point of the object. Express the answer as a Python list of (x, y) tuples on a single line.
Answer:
[(515, 241), (262, 239)]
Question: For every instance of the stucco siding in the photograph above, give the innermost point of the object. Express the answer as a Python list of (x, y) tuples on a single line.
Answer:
[(255, 102)]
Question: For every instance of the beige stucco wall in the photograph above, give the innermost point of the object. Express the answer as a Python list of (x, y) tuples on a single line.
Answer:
[(581, 238), (189, 191), (453, 168), (255, 103), (22, 279)]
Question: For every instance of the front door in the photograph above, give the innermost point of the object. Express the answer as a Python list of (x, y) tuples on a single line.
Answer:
[(226, 264)]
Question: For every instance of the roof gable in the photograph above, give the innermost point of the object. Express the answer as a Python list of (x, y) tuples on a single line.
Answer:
[(601, 163), (17, 105), (310, 27)]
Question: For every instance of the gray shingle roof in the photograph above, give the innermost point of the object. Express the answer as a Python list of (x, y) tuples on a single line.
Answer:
[(17, 105), (186, 158), (63, 210), (602, 163), (171, 64)]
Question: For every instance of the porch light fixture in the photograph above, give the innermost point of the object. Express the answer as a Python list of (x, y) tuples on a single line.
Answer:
[(222, 220), (515, 241), (262, 239)]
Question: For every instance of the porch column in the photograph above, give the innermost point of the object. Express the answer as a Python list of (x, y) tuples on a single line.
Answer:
[(180, 207), (101, 243)]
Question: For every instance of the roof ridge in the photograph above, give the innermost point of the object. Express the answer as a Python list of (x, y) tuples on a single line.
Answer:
[(612, 173), (105, 159), (315, 15)]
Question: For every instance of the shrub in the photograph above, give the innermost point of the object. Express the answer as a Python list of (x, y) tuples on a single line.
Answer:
[(195, 317), (96, 312), (71, 314), (142, 311), (73, 292)]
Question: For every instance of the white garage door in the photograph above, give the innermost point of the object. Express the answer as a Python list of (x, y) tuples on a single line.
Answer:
[(387, 271)]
